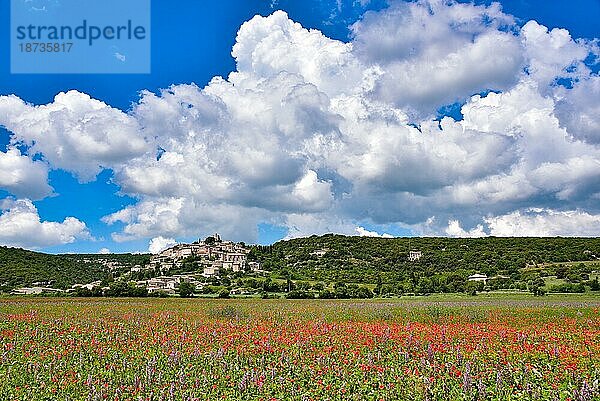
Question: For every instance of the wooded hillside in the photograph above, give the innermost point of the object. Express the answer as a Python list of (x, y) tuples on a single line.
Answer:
[(370, 260)]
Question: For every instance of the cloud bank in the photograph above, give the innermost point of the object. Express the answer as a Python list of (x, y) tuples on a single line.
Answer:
[(320, 135)]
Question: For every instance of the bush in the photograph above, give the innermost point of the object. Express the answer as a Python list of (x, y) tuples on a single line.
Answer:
[(568, 288), (538, 291), (297, 294), (360, 292), (159, 294), (471, 287), (186, 290), (123, 289), (270, 286), (224, 293), (326, 294), (211, 289)]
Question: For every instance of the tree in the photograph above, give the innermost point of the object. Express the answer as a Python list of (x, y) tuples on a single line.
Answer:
[(471, 287), (270, 286), (85, 292), (224, 293), (159, 294), (425, 286), (536, 287), (364, 292), (377, 289), (561, 272), (186, 290), (340, 290), (123, 289), (303, 285)]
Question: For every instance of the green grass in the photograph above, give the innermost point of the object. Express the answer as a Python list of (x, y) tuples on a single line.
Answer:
[(552, 280)]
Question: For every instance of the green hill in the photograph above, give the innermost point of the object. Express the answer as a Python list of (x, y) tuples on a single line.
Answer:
[(19, 268), (444, 265), (371, 260)]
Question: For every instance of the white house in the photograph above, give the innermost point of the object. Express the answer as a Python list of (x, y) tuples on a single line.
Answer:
[(254, 266), (211, 270), (414, 255), (319, 252), (478, 277), (34, 290)]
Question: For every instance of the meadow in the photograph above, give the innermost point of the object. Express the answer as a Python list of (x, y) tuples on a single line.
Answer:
[(444, 348)]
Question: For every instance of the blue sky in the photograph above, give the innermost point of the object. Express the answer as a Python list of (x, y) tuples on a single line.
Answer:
[(192, 43)]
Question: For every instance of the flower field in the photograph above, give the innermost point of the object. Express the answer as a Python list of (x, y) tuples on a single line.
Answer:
[(199, 349)]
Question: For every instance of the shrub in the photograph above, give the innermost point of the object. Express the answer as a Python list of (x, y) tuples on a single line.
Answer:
[(297, 294)]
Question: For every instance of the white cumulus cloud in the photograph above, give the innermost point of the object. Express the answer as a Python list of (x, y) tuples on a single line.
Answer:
[(363, 232), (545, 223), (74, 133), (314, 144), (532, 222), (435, 52), (21, 226), (159, 244), (455, 230), (22, 176)]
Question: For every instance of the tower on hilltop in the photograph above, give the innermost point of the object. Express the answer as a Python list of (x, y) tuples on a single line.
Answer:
[(211, 239)]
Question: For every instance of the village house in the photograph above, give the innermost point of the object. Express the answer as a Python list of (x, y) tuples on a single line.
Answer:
[(136, 268), (319, 252), (413, 256), (478, 277), (89, 286), (167, 284), (211, 270), (254, 267), (35, 291)]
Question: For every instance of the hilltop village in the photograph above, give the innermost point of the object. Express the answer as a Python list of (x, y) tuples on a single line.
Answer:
[(207, 259), (213, 254), (197, 265)]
